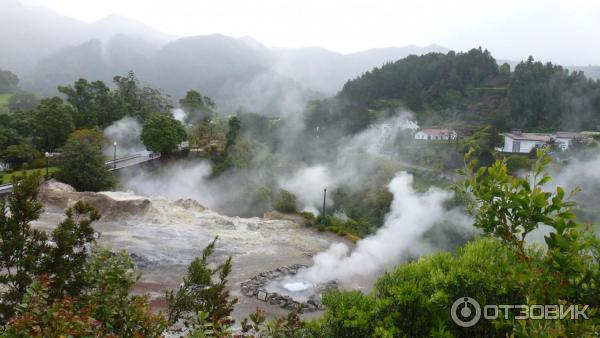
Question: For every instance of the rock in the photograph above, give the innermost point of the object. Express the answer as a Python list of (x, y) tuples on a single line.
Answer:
[(262, 296), (110, 205), (190, 204)]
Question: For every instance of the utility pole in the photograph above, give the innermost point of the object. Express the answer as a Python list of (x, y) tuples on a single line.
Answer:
[(324, 213), (115, 155), (47, 163)]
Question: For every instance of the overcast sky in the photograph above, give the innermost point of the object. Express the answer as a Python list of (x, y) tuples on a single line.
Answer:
[(566, 32)]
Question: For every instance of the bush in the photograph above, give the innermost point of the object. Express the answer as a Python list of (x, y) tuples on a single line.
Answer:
[(82, 165), (415, 299), (518, 162), (284, 201)]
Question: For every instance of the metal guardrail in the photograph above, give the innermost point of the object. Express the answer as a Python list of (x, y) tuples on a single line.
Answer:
[(5, 189), (123, 159)]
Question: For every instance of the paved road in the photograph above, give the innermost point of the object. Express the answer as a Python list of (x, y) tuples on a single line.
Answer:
[(123, 162), (131, 160)]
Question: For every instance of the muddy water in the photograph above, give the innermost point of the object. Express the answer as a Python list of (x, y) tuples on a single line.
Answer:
[(168, 235)]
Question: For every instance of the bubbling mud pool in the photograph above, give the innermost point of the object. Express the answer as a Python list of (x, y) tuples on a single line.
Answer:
[(167, 235)]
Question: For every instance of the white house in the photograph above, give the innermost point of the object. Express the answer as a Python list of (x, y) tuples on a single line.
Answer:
[(519, 142), (429, 134)]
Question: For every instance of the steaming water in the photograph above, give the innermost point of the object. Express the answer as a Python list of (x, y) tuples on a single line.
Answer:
[(299, 290), (169, 234), (297, 286)]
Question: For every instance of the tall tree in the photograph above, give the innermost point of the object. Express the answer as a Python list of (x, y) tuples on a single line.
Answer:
[(94, 103), (21, 246), (197, 107), (162, 133), (232, 134), (138, 101), (82, 164), (53, 122)]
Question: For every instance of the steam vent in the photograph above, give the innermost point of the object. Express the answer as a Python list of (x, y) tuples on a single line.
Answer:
[(279, 287)]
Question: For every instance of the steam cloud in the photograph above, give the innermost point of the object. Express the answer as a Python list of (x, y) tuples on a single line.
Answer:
[(411, 215), (126, 132)]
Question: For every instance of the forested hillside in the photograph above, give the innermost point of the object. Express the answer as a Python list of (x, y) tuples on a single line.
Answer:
[(472, 87)]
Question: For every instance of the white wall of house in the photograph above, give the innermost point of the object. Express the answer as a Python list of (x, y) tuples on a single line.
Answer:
[(519, 146), (420, 135)]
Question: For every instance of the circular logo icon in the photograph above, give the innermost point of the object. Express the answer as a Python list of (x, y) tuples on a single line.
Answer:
[(465, 312)]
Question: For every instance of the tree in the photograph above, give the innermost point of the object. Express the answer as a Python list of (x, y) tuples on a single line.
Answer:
[(94, 103), (199, 293), (22, 100), (8, 137), (162, 133), (284, 201), (70, 252), (21, 247), (8, 81), (18, 154), (22, 121), (53, 123), (483, 142), (198, 107), (232, 134), (138, 101), (82, 165)]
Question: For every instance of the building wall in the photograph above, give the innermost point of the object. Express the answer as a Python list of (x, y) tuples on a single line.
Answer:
[(525, 146), (563, 143)]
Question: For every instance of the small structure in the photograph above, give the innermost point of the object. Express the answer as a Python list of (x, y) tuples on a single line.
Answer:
[(430, 134), (519, 142)]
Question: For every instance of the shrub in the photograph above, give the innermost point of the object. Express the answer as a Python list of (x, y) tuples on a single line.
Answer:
[(284, 201)]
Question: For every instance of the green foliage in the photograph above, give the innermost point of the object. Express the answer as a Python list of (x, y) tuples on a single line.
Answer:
[(21, 121), (414, 299), (108, 279), (421, 80), (18, 154), (53, 123), (139, 102), (483, 143), (39, 316), (82, 164), (104, 309), (284, 201), (22, 100), (21, 247), (162, 133), (68, 256), (8, 81), (93, 102), (197, 107), (515, 163), (548, 97), (200, 293), (232, 134), (510, 207)]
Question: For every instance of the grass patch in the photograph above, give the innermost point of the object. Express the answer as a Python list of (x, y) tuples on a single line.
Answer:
[(6, 176), (4, 99)]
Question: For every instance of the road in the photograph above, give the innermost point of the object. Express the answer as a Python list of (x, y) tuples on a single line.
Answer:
[(123, 162), (129, 161)]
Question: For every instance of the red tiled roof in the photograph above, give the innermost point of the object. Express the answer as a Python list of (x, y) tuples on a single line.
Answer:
[(436, 132)]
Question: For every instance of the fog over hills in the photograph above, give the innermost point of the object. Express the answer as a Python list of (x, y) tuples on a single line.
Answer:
[(46, 50)]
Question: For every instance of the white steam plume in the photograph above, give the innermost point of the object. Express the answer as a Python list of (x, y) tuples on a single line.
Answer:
[(126, 132), (411, 215), (307, 184), (179, 115)]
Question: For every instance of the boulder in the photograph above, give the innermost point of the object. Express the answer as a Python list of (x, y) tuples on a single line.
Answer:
[(55, 193)]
